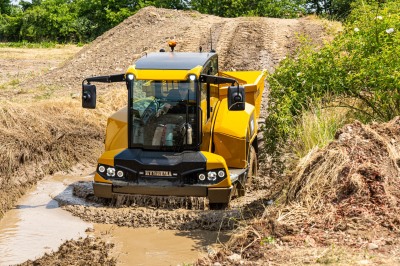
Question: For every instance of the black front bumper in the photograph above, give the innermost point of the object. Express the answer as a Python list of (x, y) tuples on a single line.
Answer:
[(215, 195)]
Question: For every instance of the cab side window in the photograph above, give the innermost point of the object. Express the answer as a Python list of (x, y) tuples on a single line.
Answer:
[(209, 99), (214, 66), (211, 67)]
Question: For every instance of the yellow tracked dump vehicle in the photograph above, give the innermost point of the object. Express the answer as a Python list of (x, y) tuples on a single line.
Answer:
[(188, 130)]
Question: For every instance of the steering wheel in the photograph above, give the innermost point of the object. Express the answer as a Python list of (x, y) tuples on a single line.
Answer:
[(150, 111)]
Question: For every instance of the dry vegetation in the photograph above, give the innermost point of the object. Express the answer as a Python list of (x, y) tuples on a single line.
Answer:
[(20, 64), (44, 137)]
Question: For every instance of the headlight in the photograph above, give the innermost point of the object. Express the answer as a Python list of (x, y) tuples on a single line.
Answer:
[(102, 169), (212, 176), (202, 177), (221, 173), (111, 171)]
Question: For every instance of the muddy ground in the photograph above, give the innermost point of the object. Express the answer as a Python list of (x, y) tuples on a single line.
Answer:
[(45, 102)]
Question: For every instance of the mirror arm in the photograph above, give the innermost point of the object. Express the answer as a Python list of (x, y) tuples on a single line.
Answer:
[(106, 79), (217, 80)]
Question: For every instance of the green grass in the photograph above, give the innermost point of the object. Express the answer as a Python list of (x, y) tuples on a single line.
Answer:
[(316, 128), (25, 44), (44, 92), (12, 83)]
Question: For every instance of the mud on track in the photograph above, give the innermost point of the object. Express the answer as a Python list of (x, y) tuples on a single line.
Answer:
[(89, 208)]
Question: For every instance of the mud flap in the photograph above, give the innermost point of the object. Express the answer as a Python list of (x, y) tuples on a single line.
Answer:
[(219, 195), (102, 190), (241, 185)]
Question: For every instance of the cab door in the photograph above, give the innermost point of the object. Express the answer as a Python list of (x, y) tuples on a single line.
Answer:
[(209, 100)]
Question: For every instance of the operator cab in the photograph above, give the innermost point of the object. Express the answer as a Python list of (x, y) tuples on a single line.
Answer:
[(164, 115)]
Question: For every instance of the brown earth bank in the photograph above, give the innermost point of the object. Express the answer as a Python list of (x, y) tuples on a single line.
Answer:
[(42, 138)]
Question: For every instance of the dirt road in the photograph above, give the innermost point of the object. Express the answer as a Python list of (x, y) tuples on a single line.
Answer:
[(62, 135)]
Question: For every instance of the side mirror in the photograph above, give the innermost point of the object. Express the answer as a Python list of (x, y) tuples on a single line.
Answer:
[(88, 96), (236, 98)]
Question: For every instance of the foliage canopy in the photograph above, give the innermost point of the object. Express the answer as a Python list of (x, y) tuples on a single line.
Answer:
[(359, 70), (84, 20)]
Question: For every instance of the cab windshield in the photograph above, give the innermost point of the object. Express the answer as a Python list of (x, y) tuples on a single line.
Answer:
[(164, 115)]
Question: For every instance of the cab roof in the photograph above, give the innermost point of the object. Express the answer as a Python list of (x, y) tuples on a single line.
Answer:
[(173, 60)]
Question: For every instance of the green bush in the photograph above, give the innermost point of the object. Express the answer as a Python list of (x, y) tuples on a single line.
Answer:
[(64, 21), (264, 8), (359, 70)]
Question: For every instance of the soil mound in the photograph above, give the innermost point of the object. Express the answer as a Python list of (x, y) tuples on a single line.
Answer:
[(353, 183), (84, 251), (242, 43)]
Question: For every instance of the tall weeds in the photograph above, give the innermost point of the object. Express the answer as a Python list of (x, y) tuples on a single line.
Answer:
[(316, 127)]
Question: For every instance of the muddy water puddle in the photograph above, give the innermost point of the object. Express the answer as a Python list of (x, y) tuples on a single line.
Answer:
[(38, 225), (152, 246)]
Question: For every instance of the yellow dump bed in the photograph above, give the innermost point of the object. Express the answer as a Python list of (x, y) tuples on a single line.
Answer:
[(253, 83)]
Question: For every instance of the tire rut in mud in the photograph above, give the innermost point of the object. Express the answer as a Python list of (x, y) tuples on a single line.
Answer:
[(147, 212)]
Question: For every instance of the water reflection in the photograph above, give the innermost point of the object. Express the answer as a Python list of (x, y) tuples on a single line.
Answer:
[(37, 224)]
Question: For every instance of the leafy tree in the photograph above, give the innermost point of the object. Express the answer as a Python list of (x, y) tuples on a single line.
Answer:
[(97, 16), (172, 4), (358, 70), (10, 24), (235, 8), (50, 20), (5, 7), (339, 9), (281, 8), (66, 20)]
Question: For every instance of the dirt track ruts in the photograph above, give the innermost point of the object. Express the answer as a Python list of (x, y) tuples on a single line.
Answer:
[(242, 43)]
